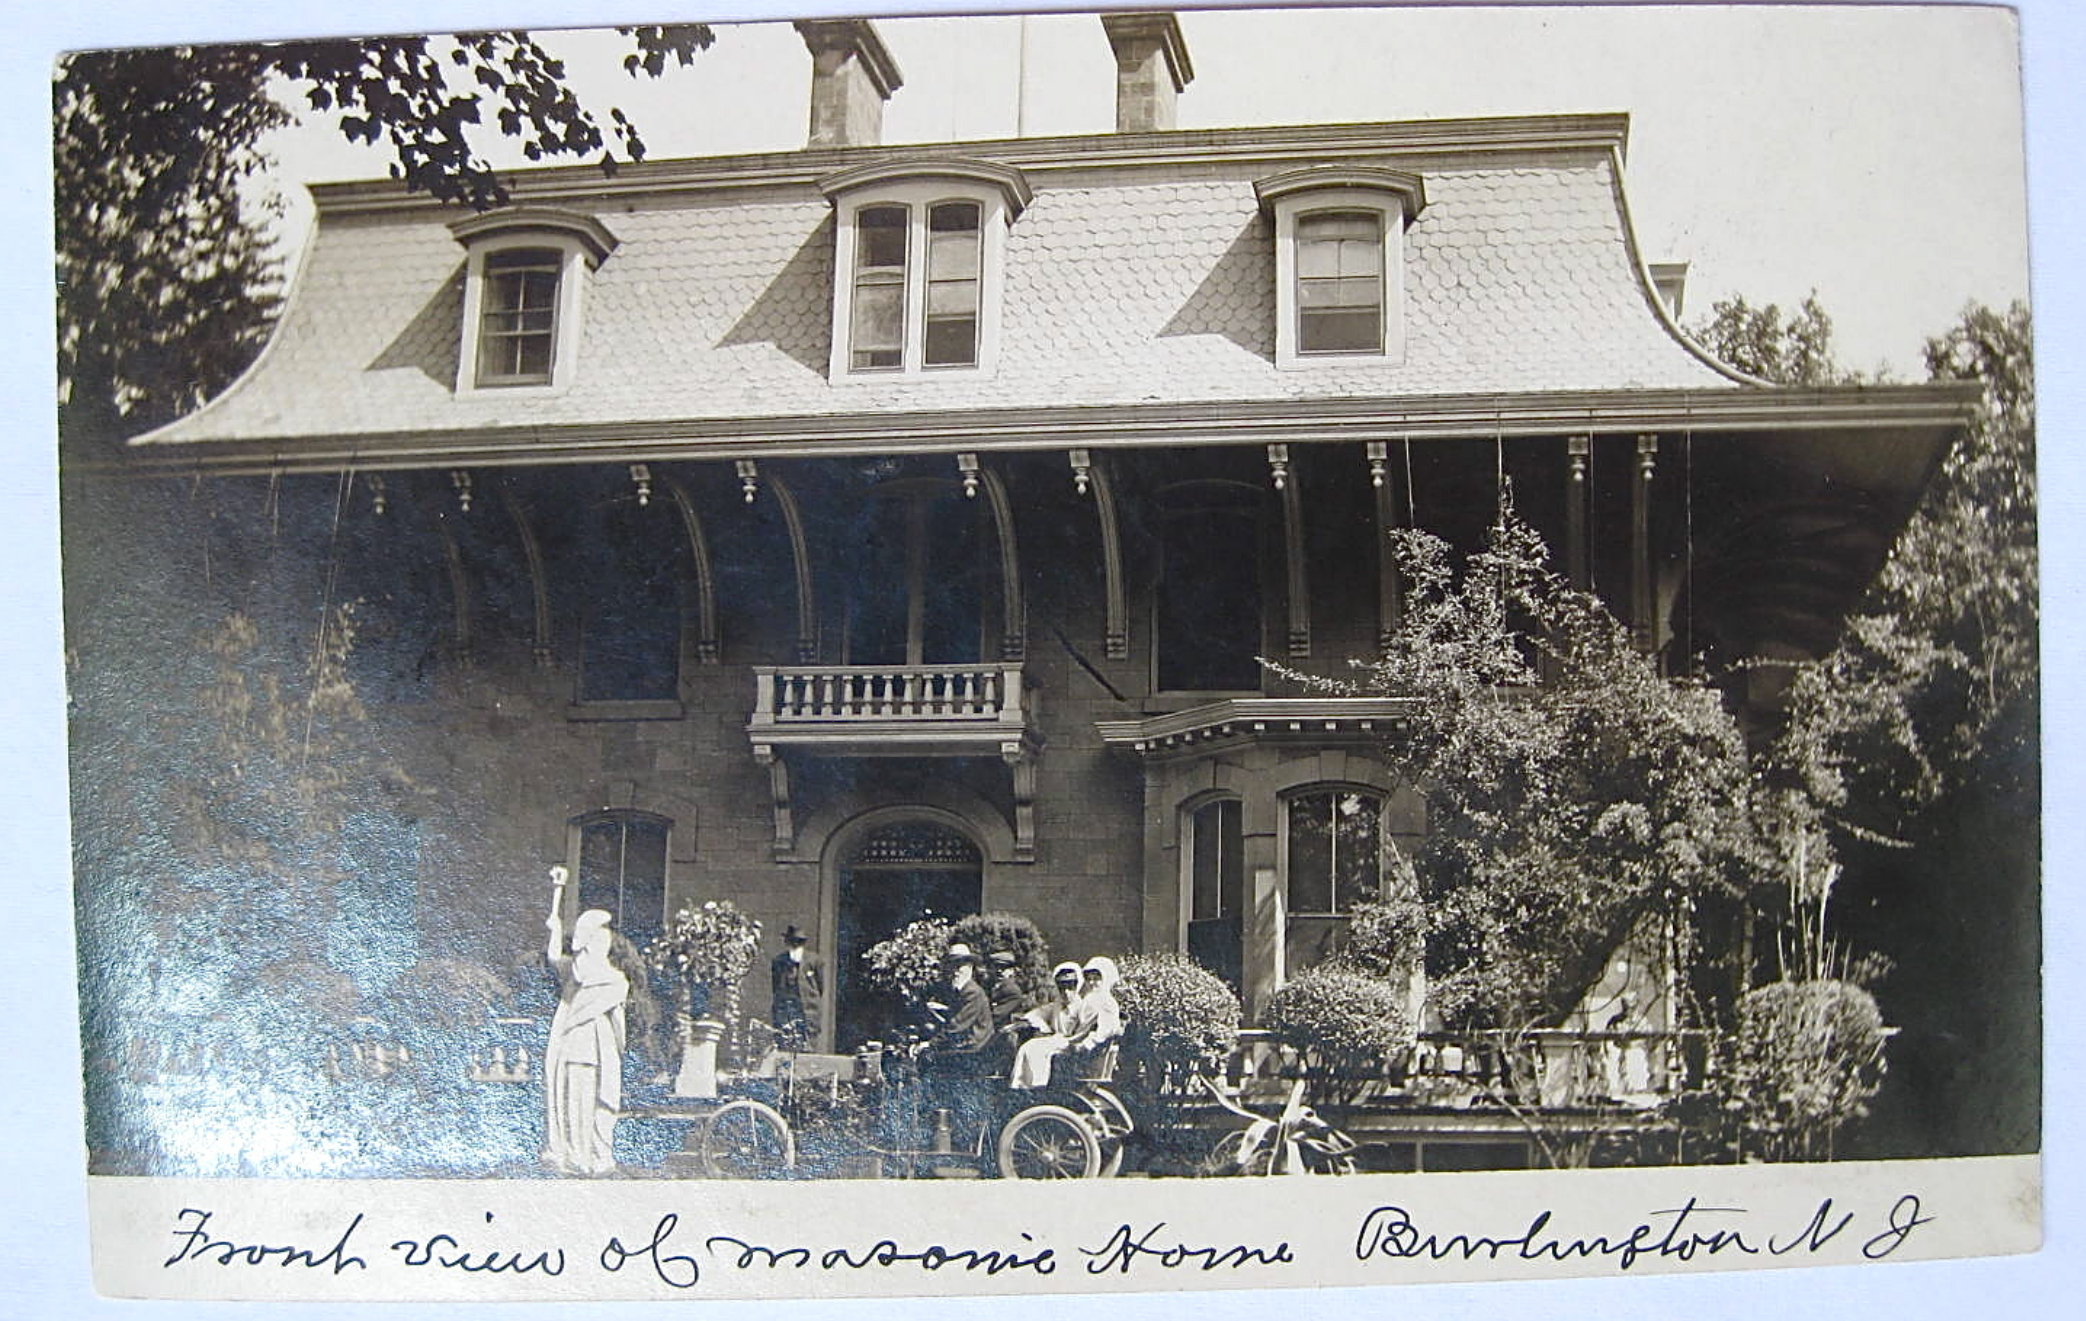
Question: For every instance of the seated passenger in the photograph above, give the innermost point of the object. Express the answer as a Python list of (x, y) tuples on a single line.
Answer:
[(1052, 1022), (1097, 1023), (962, 1036)]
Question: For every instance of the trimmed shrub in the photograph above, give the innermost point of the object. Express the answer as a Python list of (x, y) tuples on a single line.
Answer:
[(1806, 1060), (1352, 1022), (988, 933), (1178, 1016), (1386, 938)]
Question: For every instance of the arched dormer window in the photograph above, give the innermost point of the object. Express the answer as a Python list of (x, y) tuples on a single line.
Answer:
[(524, 286), (1339, 262), (919, 261)]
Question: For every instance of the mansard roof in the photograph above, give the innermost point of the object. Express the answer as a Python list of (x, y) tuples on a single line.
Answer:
[(1140, 279)]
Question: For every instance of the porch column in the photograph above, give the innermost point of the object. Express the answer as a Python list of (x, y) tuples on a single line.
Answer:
[(1262, 956), (1642, 626)]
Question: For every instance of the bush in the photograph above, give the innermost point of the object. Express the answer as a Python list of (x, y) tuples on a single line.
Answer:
[(1177, 1014), (909, 963), (1351, 1021), (988, 933), (1386, 938), (1807, 1058)]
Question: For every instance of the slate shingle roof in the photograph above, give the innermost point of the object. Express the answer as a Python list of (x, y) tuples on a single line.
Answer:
[(1125, 284)]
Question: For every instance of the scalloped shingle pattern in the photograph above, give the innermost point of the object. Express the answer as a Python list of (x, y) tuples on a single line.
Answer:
[(1122, 286)]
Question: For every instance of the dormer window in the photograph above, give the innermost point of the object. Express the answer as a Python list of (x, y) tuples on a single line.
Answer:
[(921, 247), (1339, 262), (518, 330), (524, 281)]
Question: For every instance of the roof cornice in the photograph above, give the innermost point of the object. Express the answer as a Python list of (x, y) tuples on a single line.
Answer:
[(1702, 412), (1274, 147)]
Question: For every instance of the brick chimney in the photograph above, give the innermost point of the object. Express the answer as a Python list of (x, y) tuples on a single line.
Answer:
[(1151, 69), (852, 75)]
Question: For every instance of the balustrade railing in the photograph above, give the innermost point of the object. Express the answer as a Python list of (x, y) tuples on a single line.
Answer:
[(797, 695)]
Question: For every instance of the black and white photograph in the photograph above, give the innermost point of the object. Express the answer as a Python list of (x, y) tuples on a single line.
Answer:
[(1051, 616)]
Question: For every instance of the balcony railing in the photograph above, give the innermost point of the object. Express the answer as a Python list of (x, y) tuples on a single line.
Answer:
[(1548, 1069), (895, 709)]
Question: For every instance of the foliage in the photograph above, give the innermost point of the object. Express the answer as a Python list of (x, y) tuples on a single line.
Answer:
[(1789, 349), (1351, 1021), (909, 963), (1561, 810), (1943, 651), (1177, 1014), (1807, 1058), (989, 933), (1387, 937), (165, 288), (712, 947)]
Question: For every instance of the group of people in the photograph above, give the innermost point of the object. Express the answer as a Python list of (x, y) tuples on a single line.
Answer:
[(990, 1028), (1069, 1027)]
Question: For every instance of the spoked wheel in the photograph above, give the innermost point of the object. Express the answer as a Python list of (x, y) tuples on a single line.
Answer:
[(1049, 1142), (1241, 1151), (1111, 1123), (748, 1140)]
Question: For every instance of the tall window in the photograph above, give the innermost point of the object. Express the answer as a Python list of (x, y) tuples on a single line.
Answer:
[(877, 338), (1339, 264), (1216, 862), (1335, 851), (952, 285), (517, 335), (1208, 627), (1216, 887), (622, 869)]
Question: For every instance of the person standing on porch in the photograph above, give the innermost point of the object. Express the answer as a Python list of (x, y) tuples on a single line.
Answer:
[(797, 982), (583, 1062)]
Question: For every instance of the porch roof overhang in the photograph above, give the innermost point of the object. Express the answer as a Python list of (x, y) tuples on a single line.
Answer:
[(1911, 423), (1228, 722)]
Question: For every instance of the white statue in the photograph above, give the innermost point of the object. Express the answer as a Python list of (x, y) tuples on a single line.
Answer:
[(583, 1063)]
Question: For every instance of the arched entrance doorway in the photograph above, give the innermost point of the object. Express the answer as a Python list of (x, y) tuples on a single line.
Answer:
[(891, 874)]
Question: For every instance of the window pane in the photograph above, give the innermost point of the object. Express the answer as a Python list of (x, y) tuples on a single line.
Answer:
[(1339, 332), (1343, 293), (517, 332), (644, 879), (879, 331), (952, 286), (1338, 225), (880, 238), (1216, 865), (600, 866), (1311, 854), (952, 342), (1357, 857)]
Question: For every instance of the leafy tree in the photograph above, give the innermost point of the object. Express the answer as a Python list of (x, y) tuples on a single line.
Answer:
[(1787, 348), (1943, 652), (1562, 811), (165, 287)]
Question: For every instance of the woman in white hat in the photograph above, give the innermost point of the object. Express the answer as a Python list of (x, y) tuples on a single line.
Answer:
[(1052, 1021)]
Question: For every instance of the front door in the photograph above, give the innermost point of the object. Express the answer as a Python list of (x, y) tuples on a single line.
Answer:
[(890, 876)]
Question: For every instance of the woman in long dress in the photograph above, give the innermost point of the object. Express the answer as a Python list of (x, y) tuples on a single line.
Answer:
[(583, 1064), (1052, 1021), (1099, 1020)]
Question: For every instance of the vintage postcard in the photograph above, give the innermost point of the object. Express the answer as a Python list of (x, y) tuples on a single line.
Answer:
[(1014, 654)]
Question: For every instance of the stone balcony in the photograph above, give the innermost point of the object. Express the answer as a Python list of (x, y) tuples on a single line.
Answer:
[(979, 710)]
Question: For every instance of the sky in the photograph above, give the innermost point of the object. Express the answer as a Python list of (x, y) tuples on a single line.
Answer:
[(1871, 154)]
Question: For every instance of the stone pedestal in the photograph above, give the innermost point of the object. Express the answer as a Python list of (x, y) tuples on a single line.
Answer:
[(698, 1076)]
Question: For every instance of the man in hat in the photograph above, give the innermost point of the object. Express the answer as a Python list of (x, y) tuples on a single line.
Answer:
[(1009, 997), (967, 1030), (798, 984)]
